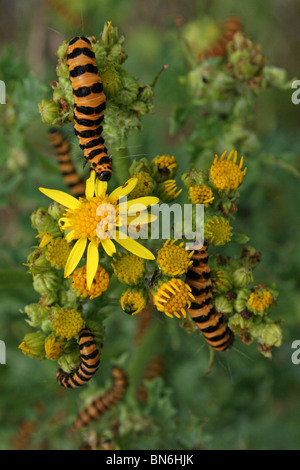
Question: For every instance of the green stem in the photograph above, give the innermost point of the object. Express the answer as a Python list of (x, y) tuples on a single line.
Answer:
[(120, 162)]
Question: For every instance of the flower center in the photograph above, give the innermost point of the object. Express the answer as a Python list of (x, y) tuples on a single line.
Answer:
[(85, 219)]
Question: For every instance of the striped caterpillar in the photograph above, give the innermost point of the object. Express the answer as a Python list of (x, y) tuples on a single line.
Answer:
[(66, 167), (218, 49), (209, 321), (89, 105), (102, 404), (88, 366)]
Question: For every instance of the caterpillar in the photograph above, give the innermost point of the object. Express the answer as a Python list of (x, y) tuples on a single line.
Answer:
[(89, 105), (66, 167), (154, 369), (218, 49), (102, 404), (88, 366), (209, 321)]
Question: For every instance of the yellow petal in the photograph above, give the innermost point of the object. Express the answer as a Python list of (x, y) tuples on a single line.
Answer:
[(134, 247), (45, 240), (139, 204), (62, 198), (108, 246), (92, 262), (75, 256), (90, 185), (125, 189), (100, 187), (70, 236), (141, 219)]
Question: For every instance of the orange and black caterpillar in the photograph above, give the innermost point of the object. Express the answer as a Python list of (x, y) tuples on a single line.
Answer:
[(209, 321), (102, 404), (90, 361), (154, 369), (67, 169), (218, 49), (89, 105)]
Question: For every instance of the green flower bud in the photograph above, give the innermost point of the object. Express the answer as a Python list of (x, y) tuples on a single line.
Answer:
[(100, 54), (37, 261), (33, 345), (242, 277), (139, 166), (63, 89), (146, 93), (222, 304), (46, 283), (239, 325), (38, 219), (70, 360), (49, 111), (62, 50), (109, 36), (250, 257), (240, 238), (241, 299), (67, 296), (167, 191), (139, 107), (220, 280), (117, 54), (193, 177), (129, 91), (47, 300), (62, 70), (111, 81), (271, 335), (56, 210)]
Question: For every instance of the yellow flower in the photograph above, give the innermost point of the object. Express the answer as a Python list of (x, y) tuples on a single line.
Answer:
[(165, 166), (68, 323), (98, 218), (261, 300), (133, 301), (45, 238), (53, 348), (99, 284), (168, 190), (217, 231), (201, 194), (144, 185), (174, 260), (173, 297), (129, 268), (58, 252), (226, 174)]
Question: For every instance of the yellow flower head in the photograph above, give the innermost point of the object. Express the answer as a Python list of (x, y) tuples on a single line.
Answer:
[(144, 185), (53, 348), (217, 231), (261, 300), (225, 174), (99, 284), (129, 268), (165, 167), (133, 301), (168, 190), (201, 194), (58, 251), (68, 323), (97, 219), (173, 297), (173, 259)]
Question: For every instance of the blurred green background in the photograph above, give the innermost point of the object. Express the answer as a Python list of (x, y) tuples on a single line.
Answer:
[(247, 401)]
